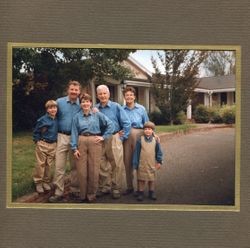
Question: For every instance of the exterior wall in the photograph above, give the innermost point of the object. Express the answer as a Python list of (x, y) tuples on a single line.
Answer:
[(136, 71)]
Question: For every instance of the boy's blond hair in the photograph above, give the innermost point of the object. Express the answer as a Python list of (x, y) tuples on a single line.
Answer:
[(50, 103)]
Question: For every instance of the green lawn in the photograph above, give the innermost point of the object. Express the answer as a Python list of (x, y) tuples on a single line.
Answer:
[(23, 159), (173, 128)]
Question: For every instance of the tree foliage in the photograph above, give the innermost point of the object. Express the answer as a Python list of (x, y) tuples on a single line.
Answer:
[(219, 63), (40, 74), (175, 86)]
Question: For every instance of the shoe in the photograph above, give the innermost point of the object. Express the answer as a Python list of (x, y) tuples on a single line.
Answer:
[(116, 194), (74, 195), (56, 198), (91, 200), (128, 192), (140, 196), (39, 188), (82, 201), (151, 195), (103, 192), (136, 193), (46, 187)]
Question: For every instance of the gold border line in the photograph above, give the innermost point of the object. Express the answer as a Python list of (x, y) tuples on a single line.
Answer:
[(171, 207)]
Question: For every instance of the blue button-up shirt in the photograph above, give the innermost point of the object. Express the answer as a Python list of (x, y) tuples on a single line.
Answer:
[(137, 115), (46, 128), (118, 116), (66, 112), (94, 123)]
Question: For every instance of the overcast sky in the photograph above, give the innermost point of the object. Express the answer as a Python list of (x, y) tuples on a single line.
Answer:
[(144, 58)]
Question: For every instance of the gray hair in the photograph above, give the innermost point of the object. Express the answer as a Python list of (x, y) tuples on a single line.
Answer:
[(102, 87)]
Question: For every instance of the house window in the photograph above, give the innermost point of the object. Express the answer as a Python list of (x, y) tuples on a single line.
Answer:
[(223, 98)]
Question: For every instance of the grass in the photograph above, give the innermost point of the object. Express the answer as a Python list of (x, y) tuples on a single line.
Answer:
[(173, 128), (23, 159)]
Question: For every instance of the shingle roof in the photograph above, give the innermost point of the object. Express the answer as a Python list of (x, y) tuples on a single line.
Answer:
[(219, 82)]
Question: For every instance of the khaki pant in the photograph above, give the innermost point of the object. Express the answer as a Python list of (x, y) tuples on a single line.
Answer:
[(88, 166), (129, 147), (62, 152), (45, 157), (111, 164)]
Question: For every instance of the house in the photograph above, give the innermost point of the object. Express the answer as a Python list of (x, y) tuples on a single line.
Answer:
[(216, 90), (210, 91)]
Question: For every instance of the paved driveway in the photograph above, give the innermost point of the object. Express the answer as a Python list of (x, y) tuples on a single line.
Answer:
[(199, 168)]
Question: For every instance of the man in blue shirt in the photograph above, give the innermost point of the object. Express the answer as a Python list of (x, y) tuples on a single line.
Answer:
[(68, 107), (113, 148)]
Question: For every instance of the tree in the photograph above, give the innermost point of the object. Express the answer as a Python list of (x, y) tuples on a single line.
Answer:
[(219, 63), (40, 74), (174, 87)]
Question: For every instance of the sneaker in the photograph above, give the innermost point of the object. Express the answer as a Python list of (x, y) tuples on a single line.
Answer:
[(39, 188), (152, 195), (128, 192), (56, 198), (46, 187), (116, 194)]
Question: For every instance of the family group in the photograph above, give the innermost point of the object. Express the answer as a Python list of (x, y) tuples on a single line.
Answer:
[(100, 141)]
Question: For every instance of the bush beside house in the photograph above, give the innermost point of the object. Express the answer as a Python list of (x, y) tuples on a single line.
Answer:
[(224, 114)]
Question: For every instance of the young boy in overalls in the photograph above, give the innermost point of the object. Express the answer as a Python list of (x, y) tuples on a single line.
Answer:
[(45, 138), (147, 158)]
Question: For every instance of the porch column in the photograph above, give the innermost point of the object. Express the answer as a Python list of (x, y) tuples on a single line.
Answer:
[(189, 110), (119, 94), (210, 99), (93, 92), (146, 94)]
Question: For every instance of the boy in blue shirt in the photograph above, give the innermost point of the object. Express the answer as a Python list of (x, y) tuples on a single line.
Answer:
[(45, 138), (147, 158)]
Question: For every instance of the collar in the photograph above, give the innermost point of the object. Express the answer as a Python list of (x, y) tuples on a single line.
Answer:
[(90, 113), (150, 138), (135, 106), (107, 105), (68, 100), (47, 114)]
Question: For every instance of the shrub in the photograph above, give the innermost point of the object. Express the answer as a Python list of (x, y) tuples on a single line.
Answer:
[(180, 118), (228, 114), (201, 114), (160, 118), (157, 117), (214, 114)]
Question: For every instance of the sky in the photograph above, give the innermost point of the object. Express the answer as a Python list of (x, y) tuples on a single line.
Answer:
[(144, 58)]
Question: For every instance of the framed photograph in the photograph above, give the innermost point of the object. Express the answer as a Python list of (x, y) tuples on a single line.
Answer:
[(202, 187), (193, 90)]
